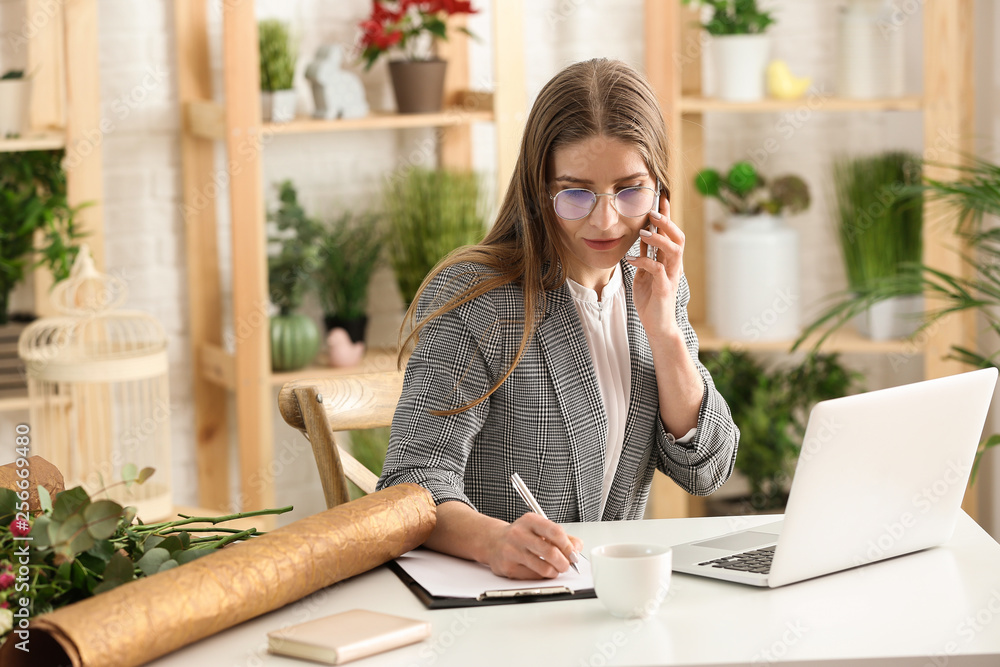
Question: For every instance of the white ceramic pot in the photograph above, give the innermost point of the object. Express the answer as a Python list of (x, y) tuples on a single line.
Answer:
[(871, 51), (898, 317), (278, 106), (740, 63), (753, 278), (15, 100)]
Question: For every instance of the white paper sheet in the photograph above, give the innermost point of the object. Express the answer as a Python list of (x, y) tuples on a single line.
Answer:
[(448, 576)]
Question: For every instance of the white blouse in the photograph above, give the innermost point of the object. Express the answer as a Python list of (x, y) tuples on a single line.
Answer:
[(604, 323)]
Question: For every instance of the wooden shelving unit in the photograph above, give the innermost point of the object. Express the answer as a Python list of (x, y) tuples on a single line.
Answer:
[(947, 105), (65, 112), (247, 372)]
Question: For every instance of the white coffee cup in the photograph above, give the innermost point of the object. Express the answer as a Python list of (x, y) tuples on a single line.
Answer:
[(631, 580)]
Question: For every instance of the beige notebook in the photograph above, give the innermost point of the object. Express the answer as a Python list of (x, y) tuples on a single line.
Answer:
[(346, 636)]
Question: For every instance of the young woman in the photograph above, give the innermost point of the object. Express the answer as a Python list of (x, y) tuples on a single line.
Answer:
[(550, 351)]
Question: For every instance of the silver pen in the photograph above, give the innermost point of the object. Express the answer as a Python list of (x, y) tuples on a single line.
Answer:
[(529, 499)]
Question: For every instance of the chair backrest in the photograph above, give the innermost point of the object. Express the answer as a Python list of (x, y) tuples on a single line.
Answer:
[(320, 407)]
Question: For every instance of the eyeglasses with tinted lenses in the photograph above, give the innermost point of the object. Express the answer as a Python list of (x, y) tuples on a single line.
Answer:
[(577, 203)]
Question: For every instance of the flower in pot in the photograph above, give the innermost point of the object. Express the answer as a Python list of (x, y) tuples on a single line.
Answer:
[(410, 27), (430, 212), (771, 406), (739, 47), (294, 336), (33, 187), (754, 258), (349, 252), (278, 54), (15, 99), (880, 227)]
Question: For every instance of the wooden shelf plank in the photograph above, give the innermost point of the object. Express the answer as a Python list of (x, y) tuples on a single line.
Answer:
[(698, 104), (14, 403), (43, 140), (380, 121), (843, 340)]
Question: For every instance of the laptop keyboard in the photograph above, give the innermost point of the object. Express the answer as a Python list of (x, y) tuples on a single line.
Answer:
[(757, 561)]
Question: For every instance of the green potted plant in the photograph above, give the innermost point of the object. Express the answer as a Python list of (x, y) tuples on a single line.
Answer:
[(430, 212), (880, 228), (411, 27), (754, 255), (739, 46), (278, 53), (973, 195), (294, 336), (33, 199), (349, 252), (15, 100), (771, 408)]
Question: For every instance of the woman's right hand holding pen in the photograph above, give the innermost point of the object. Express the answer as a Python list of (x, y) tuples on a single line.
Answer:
[(532, 547)]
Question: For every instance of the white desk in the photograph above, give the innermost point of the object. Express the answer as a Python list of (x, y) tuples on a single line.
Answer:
[(934, 608)]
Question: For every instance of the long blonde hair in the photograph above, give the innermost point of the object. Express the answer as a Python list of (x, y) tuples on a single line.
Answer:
[(594, 98)]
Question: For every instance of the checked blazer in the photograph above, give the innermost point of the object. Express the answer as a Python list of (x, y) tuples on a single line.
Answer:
[(546, 421)]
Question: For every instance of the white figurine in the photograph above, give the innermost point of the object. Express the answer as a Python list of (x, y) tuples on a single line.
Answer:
[(337, 94)]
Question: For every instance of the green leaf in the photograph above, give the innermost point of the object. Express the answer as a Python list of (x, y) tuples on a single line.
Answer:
[(40, 532), (151, 542), (150, 563), (128, 515), (172, 543), (189, 555), (119, 571), (145, 474), (72, 537), (102, 518), (129, 473), (44, 499), (69, 502), (8, 505), (168, 565)]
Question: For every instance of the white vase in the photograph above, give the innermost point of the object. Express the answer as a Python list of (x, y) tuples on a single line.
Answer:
[(740, 62), (15, 100), (278, 106), (870, 52), (898, 317), (754, 279)]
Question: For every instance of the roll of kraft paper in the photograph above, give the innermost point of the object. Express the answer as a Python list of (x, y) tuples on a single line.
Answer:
[(137, 622)]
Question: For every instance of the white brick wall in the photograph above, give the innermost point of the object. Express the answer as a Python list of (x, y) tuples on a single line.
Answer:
[(144, 229)]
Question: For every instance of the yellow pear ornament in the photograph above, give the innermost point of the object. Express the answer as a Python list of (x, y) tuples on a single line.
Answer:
[(782, 84)]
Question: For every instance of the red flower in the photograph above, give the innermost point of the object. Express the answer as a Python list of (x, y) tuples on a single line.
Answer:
[(6, 581), (20, 528)]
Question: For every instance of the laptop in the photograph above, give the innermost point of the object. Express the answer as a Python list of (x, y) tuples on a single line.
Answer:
[(879, 475)]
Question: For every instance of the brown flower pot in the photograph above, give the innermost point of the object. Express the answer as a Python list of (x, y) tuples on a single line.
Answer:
[(418, 85)]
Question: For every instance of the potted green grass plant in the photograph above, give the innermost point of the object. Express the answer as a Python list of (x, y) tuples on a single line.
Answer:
[(739, 47), (278, 53), (974, 194), (879, 227), (294, 336), (349, 253), (430, 212)]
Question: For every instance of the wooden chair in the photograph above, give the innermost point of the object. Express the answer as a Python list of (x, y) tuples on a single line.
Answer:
[(319, 408)]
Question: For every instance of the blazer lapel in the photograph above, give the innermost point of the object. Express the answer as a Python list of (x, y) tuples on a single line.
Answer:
[(642, 410), (567, 357)]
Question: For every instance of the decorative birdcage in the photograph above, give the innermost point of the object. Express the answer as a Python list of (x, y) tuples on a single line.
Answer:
[(98, 391)]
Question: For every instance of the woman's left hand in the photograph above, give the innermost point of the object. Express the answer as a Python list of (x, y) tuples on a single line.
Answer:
[(657, 280)]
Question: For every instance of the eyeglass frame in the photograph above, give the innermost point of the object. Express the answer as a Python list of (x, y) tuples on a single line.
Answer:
[(614, 198)]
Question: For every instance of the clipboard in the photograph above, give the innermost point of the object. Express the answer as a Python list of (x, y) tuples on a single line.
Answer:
[(511, 596)]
